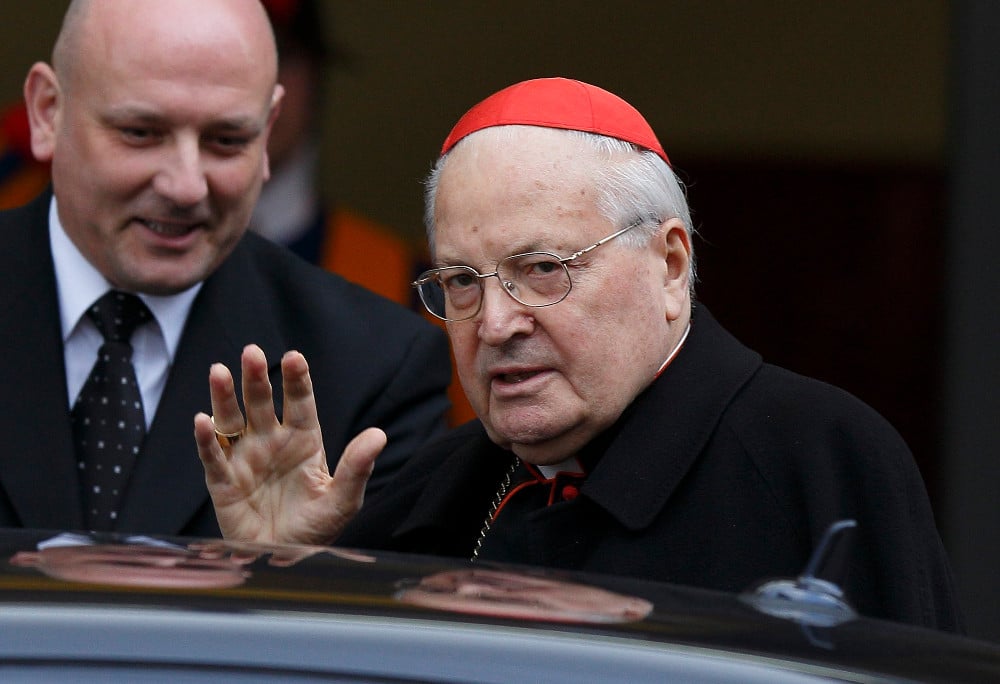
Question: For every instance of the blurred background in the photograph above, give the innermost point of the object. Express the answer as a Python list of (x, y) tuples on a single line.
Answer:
[(842, 162)]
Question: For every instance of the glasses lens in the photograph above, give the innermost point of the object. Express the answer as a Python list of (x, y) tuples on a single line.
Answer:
[(452, 293), (535, 279)]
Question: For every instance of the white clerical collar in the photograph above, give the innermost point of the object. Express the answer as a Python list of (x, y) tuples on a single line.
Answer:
[(570, 465), (80, 284)]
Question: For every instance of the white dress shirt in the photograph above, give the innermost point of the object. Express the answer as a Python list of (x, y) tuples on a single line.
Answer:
[(154, 343)]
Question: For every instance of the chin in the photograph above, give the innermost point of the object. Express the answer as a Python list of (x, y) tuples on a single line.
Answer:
[(539, 445), (164, 281), (160, 288), (539, 426), (520, 431)]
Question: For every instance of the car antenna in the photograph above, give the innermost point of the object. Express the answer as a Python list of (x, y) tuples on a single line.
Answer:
[(816, 597)]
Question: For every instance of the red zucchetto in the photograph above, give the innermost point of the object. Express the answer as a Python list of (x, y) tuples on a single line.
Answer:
[(559, 103)]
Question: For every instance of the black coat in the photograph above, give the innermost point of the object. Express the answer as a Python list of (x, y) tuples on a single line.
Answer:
[(373, 363), (724, 472)]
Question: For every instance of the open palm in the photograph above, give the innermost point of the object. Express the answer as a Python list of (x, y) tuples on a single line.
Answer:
[(273, 485)]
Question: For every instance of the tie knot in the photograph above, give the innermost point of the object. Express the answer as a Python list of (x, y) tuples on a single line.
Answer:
[(117, 315)]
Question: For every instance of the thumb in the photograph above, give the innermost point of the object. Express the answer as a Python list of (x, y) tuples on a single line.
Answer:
[(359, 455), (353, 470)]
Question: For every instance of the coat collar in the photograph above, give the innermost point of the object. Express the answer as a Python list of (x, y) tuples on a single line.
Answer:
[(659, 437)]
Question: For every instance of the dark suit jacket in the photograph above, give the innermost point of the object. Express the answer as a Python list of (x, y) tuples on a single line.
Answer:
[(725, 472), (373, 363)]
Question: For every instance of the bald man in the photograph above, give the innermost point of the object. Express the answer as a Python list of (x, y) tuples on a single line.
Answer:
[(156, 122)]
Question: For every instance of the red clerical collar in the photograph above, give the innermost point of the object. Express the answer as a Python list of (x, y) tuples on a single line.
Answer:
[(674, 352)]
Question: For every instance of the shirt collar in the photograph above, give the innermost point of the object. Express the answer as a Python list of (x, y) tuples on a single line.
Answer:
[(80, 284)]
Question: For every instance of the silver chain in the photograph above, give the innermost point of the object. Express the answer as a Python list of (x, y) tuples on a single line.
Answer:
[(494, 505)]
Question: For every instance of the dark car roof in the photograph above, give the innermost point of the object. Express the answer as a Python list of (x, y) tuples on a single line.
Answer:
[(307, 612)]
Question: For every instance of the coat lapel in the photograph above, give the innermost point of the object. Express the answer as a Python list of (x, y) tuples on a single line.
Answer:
[(37, 462)]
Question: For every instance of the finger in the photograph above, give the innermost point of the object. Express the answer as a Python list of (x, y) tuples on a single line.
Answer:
[(212, 457), (208, 550), (283, 561), (257, 397), (352, 473), (225, 408), (285, 557), (299, 404), (243, 556)]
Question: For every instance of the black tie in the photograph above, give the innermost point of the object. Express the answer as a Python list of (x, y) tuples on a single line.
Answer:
[(107, 417)]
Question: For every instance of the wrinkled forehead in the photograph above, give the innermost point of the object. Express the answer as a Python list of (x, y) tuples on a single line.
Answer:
[(515, 189)]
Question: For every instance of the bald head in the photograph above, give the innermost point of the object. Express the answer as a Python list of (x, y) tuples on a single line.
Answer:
[(105, 25)]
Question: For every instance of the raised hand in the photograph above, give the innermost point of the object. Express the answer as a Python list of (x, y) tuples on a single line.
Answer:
[(269, 481)]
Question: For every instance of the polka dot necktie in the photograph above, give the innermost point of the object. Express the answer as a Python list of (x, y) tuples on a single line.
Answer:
[(108, 422)]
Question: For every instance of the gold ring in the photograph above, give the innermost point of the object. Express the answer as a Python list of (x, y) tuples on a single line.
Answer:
[(227, 439)]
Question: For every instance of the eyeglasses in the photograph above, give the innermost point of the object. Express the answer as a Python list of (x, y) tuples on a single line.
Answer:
[(455, 293)]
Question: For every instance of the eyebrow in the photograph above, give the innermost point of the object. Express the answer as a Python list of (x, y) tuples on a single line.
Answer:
[(119, 115), (525, 248)]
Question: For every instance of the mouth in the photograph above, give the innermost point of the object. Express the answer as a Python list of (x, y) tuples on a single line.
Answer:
[(169, 228), (515, 378), (523, 378)]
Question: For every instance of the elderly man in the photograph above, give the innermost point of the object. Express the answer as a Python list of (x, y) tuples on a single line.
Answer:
[(621, 429), (124, 283)]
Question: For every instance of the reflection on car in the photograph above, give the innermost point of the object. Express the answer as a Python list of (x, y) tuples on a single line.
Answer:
[(99, 607)]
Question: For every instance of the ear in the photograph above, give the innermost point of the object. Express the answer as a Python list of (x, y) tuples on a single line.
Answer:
[(673, 245), (43, 99), (276, 97)]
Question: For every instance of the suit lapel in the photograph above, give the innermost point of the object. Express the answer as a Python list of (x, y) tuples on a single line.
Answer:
[(37, 462), (233, 308)]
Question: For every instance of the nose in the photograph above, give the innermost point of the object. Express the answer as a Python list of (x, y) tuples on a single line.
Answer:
[(502, 317), (182, 177)]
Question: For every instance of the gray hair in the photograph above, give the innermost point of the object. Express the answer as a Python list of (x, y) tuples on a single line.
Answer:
[(635, 185)]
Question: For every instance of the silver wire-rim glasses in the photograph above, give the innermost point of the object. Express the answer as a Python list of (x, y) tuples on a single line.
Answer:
[(536, 279)]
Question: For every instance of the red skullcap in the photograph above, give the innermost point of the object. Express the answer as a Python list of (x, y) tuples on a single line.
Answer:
[(559, 103)]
